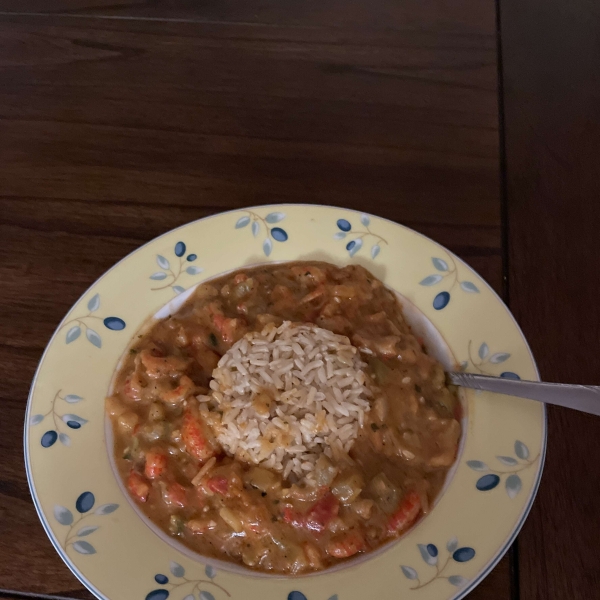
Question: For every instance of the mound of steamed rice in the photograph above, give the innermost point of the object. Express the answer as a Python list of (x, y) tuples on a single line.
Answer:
[(282, 397)]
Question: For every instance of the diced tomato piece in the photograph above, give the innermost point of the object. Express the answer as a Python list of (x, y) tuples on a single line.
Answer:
[(175, 494), (322, 512), (346, 545), (194, 437), (407, 511), (218, 484), (156, 463), (138, 486), (293, 517)]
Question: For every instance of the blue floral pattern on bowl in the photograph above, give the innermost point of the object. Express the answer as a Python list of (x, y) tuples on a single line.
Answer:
[(77, 324), (171, 274), (70, 420), (513, 465), (484, 360), (258, 223), (295, 595), (83, 505), (181, 584), (447, 273), (359, 237), (431, 555)]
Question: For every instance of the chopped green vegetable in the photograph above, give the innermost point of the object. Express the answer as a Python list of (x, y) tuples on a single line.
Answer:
[(176, 525), (213, 339)]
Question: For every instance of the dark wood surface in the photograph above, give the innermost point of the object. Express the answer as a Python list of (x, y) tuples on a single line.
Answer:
[(119, 121)]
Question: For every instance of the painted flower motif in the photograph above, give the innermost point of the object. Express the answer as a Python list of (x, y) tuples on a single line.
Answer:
[(83, 505), (513, 465), (171, 274), (79, 324), (359, 237), (448, 273), (258, 223), (431, 555), (295, 595), (484, 361), (62, 422), (180, 587)]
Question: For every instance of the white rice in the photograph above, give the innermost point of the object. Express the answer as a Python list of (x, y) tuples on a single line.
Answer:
[(282, 397)]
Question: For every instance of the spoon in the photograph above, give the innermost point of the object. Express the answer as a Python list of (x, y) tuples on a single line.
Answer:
[(585, 398)]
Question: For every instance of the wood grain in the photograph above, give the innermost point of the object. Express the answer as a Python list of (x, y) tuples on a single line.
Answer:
[(116, 130), (552, 101)]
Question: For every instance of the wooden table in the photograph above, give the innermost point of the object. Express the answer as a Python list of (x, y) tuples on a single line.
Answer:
[(475, 124)]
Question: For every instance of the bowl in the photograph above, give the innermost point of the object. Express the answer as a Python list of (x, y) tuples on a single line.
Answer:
[(118, 554)]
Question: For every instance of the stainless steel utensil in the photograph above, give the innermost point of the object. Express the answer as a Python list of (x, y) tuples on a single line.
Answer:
[(585, 398)]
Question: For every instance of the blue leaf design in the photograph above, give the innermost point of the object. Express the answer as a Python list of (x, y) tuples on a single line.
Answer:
[(431, 280), (106, 509), (483, 350), (49, 438), (463, 554), (477, 465), (72, 398), (296, 596), (452, 545), (84, 547), (193, 270), (93, 338), (74, 418), (73, 424), (163, 263), (36, 419), (242, 222), (161, 579), (409, 572), (509, 375), (507, 460), (275, 217), (267, 247), (441, 300), (439, 264), (521, 450), (73, 334), (375, 250), (189, 597), (457, 580), (94, 303), (428, 558), (340, 235), (114, 323), (499, 357), (86, 530), (158, 595), (63, 515), (177, 569), (357, 246), (158, 276), (279, 234), (364, 219), (65, 440), (487, 482), (179, 249), (85, 502), (255, 228), (204, 595), (178, 289), (432, 549), (334, 597), (513, 485), (210, 571), (191, 257), (344, 225), (469, 287), (350, 245)]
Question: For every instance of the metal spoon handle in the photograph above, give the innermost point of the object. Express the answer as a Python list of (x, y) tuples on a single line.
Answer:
[(580, 397)]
